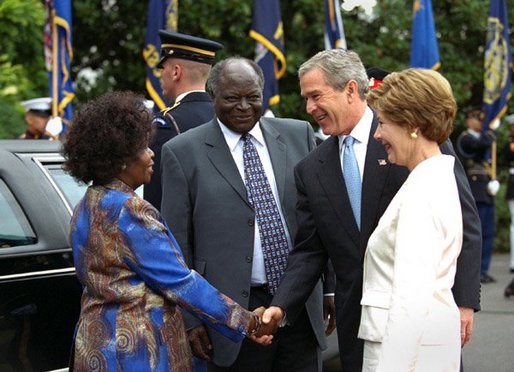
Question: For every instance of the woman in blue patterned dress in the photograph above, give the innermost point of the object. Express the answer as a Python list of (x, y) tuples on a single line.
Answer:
[(132, 270)]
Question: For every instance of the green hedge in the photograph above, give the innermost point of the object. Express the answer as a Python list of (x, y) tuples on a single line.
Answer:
[(12, 121)]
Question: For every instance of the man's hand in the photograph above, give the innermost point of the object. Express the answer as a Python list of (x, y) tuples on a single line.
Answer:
[(264, 332), (272, 318), (200, 343), (466, 324), (329, 314)]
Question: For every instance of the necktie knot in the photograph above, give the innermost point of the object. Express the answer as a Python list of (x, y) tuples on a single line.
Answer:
[(348, 141)]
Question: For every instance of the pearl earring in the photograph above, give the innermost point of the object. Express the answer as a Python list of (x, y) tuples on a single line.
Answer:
[(413, 135)]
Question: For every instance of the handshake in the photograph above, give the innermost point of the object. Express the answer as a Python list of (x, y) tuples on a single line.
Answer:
[(264, 324)]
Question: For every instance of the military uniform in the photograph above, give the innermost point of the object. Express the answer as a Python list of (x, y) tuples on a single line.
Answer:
[(40, 109), (508, 154), (473, 147), (194, 109), (190, 109)]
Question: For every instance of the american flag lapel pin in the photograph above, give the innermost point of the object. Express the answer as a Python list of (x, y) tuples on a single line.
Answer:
[(382, 162)]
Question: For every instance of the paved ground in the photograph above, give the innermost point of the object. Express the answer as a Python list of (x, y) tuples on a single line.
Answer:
[(492, 346)]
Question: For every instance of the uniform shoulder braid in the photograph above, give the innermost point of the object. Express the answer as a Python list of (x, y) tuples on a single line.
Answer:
[(166, 120)]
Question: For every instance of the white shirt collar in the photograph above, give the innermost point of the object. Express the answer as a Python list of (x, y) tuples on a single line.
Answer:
[(181, 96), (474, 133), (361, 131), (233, 138)]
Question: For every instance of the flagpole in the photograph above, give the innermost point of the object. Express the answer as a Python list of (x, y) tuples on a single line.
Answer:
[(55, 61)]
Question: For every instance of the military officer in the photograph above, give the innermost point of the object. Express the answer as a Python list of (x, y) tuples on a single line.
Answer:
[(376, 75), (473, 146), (37, 115), (508, 154), (185, 62)]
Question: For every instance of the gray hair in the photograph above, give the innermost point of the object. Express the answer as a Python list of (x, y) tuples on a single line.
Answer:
[(339, 67), (214, 76)]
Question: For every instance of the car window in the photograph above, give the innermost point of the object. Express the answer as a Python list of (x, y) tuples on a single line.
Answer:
[(73, 191), (15, 229)]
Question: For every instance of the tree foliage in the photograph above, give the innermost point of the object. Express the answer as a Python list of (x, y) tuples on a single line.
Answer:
[(22, 71), (108, 37)]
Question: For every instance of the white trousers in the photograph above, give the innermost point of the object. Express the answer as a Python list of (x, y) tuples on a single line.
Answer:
[(431, 358)]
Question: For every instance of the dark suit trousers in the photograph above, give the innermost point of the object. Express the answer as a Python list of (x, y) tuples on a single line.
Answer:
[(294, 348)]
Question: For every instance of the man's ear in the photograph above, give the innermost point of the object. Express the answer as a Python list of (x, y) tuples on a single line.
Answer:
[(351, 90), (177, 72)]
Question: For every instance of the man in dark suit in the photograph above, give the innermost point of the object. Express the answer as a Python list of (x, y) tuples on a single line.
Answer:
[(185, 62), (334, 85), (217, 221), (473, 145), (508, 156)]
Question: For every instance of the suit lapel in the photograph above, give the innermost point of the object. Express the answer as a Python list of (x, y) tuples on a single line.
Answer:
[(221, 158), (332, 182), (376, 169), (278, 155)]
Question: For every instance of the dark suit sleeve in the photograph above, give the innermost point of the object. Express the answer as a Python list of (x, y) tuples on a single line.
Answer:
[(329, 279), (176, 211), (329, 276), (175, 205), (306, 263), (466, 289)]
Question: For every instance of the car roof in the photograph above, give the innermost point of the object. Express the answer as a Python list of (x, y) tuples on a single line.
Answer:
[(30, 146)]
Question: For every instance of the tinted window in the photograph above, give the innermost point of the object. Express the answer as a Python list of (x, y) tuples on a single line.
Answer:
[(72, 190), (15, 229)]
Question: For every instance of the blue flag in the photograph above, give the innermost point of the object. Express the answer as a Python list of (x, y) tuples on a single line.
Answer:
[(334, 32), (58, 57), (498, 64), (162, 15), (267, 30), (424, 51)]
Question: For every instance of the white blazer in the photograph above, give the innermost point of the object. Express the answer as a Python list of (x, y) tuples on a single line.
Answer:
[(409, 268)]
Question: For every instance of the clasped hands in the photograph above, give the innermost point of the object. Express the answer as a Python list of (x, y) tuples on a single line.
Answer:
[(268, 322)]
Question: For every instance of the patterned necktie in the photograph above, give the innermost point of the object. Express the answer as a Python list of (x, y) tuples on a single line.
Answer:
[(352, 178), (271, 230)]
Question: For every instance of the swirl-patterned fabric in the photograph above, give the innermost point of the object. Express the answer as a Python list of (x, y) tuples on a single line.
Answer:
[(134, 276)]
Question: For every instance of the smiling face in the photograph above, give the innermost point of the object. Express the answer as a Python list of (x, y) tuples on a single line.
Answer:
[(396, 139), (328, 106), (139, 171), (238, 100)]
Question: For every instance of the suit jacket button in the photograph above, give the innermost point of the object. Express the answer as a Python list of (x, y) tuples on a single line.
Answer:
[(248, 259), (250, 222), (244, 294)]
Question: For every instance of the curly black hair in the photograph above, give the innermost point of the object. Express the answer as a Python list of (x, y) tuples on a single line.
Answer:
[(105, 134)]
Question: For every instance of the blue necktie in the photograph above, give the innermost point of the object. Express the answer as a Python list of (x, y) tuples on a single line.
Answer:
[(352, 178), (271, 230)]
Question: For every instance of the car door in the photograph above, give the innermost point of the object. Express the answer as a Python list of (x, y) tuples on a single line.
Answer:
[(39, 292)]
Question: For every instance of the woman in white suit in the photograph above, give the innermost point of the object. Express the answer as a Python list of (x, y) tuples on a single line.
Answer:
[(409, 320)]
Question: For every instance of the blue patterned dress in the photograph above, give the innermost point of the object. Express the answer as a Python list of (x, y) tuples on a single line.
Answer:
[(134, 278)]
